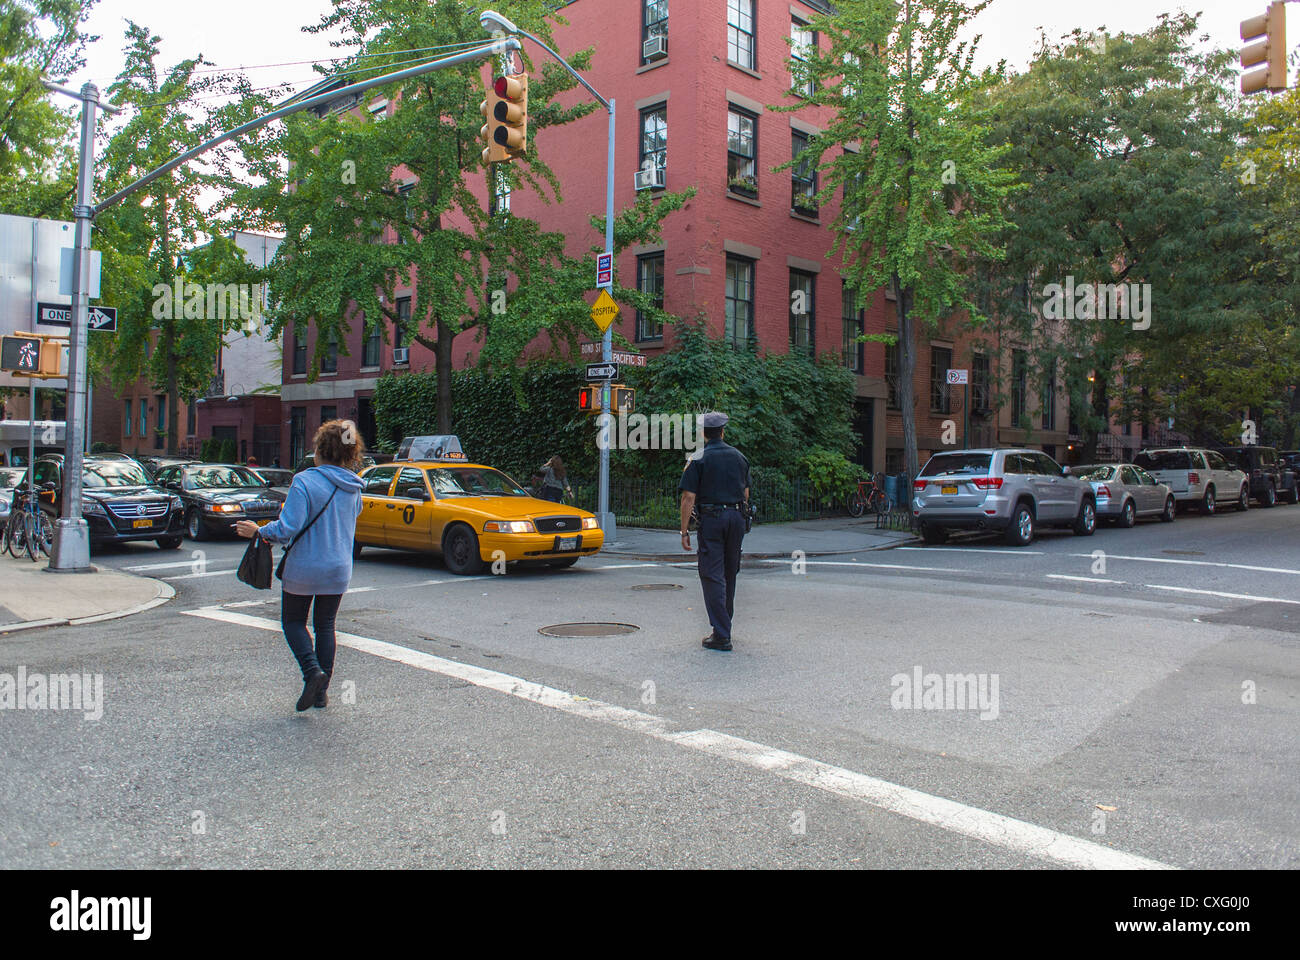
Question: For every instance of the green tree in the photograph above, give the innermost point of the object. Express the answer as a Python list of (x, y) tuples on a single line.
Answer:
[(923, 184), (38, 38)]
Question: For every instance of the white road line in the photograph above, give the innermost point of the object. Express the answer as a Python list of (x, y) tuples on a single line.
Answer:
[(160, 566), (992, 828), (1219, 593), (976, 549), (1061, 576), (877, 566), (1196, 563), (198, 576), (624, 566)]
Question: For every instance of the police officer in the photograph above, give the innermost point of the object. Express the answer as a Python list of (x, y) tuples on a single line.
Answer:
[(718, 483)]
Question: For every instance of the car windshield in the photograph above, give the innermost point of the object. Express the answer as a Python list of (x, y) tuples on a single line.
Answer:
[(473, 482), (114, 473), (947, 463), (1092, 472), (1164, 460), (208, 478)]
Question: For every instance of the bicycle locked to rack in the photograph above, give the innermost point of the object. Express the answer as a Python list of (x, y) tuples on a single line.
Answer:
[(29, 530)]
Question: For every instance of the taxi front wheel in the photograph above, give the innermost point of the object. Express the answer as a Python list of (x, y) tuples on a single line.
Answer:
[(460, 551)]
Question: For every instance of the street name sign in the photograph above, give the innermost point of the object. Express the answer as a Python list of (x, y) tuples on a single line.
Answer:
[(626, 359), (597, 372), (604, 311)]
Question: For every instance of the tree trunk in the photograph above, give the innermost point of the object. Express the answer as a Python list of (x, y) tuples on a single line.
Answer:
[(170, 341), (906, 370), (1100, 408), (442, 367)]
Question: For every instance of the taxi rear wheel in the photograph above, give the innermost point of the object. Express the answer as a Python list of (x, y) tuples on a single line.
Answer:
[(460, 551)]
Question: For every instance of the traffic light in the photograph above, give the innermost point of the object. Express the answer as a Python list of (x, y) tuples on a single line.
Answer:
[(1270, 50), (505, 112), (20, 354), (623, 399), (589, 400)]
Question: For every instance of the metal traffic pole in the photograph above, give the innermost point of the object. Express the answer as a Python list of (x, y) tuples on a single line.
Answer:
[(499, 26)]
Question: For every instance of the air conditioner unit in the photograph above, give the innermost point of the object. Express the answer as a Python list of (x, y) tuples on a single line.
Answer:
[(401, 354), (656, 48), (647, 179)]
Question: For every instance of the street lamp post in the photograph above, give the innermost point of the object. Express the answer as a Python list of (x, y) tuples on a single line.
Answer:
[(499, 26)]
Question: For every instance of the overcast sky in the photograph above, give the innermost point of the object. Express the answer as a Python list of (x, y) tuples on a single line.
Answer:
[(245, 33)]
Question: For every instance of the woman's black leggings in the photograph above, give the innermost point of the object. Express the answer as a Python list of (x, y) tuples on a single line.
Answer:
[(293, 617)]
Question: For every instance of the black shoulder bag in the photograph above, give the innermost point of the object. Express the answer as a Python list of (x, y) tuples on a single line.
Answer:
[(255, 568), (279, 570)]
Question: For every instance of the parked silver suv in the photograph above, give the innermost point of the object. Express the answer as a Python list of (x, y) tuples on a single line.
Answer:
[(1010, 491), (1198, 477)]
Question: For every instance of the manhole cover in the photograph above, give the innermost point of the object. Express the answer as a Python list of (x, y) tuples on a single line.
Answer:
[(589, 629), (658, 586), (1183, 553)]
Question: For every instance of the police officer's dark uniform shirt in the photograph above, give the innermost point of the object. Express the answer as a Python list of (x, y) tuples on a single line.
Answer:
[(719, 479)]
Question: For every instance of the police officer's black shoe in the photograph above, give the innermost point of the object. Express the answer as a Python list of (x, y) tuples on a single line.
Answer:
[(716, 643)]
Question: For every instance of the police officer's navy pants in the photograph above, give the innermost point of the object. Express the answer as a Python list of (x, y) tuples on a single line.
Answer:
[(719, 562)]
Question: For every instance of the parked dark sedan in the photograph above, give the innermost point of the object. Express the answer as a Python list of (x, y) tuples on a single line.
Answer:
[(275, 476), (216, 495), (119, 501)]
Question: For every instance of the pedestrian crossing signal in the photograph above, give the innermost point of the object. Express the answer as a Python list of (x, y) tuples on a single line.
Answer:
[(624, 399), (589, 400), (20, 354)]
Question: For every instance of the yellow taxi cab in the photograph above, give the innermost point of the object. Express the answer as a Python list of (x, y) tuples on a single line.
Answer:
[(431, 499)]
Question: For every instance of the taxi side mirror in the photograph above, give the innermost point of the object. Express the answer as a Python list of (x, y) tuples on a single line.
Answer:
[(417, 493)]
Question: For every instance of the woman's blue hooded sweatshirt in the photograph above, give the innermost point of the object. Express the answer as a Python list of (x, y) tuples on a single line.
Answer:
[(321, 562)]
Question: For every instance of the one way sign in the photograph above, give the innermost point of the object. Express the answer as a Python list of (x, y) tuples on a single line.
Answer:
[(103, 318), (597, 372), (60, 315)]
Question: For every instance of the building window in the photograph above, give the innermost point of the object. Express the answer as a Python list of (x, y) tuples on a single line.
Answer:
[(650, 280), (297, 434), (804, 39), (979, 382), (1019, 387), (328, 413), (406, 192), (126, 417), (740, 32), (403, 320), (191, 418), (891, 374), (500, 200), (1049, 399), (654, 141), (803, 177), (329, 363), (144, 418), (299, 353), (373, 344), (740, 301), (851, 319), (803, 312), (742, 151), (654, 23), (940, 395), (160, 402)]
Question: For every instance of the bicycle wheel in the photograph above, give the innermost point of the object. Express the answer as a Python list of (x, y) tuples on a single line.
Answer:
[(44, 534), (13, 538), (879, 503), (30, 538), (857, 504)]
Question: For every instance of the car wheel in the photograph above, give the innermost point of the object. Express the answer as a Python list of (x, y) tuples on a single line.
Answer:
[(168, 543), (1293, 495), (562, 564), (1129, 518), (1243, 499), (1269, 499), (1209, 503), (460, 551), (1085, 524), (933, 535), (1021, 531), (194, 525), (1171, 510)]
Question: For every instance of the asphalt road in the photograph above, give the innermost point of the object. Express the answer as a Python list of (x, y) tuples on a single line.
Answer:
[(1140, 709)]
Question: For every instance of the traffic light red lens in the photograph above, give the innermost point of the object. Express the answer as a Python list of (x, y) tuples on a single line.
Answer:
[(501, 86)]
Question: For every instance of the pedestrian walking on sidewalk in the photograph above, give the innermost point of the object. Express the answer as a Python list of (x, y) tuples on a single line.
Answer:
[(318, 521), (718, 483)]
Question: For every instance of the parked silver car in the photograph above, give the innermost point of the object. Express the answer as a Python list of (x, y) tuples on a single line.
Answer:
[(1125, 492), (1198, 477), (1009, 491)]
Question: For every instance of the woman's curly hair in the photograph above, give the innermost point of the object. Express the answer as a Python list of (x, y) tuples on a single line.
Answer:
[(339, 442)]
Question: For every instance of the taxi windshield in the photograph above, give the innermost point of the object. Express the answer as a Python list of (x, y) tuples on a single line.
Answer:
[(208, 478), (473, 482)]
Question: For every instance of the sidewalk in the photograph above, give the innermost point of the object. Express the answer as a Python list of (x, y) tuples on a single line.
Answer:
[(32, 597), (816, 538)]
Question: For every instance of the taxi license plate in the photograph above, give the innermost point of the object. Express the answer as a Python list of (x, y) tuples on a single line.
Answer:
[(566, 543), (950, 491), (142, 523)]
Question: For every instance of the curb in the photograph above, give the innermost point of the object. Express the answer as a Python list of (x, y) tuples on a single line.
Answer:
[(165, 592)]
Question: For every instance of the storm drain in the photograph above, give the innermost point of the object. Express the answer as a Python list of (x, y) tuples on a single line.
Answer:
[(589, 629), (657, 586)]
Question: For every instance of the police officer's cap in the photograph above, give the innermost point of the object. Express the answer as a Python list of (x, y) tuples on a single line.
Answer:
[(711, 421)]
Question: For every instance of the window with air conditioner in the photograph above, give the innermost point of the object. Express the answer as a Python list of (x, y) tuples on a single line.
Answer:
[(654, 30), (401, 355), (653, 148)]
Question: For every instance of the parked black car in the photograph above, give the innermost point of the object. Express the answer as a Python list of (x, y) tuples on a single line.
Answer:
[(119, 500), (154, 464), (309, 461), (216, 495), (275, 476), (1271, 477)]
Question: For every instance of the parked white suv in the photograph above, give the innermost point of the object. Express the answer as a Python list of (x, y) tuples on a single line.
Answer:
[(1197, 476)]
